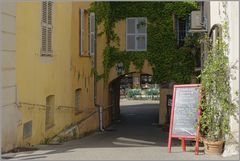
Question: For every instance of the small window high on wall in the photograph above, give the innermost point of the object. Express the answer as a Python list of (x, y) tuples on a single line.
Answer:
[(136, 34), (46, 28), (50, 104), (77, 100)]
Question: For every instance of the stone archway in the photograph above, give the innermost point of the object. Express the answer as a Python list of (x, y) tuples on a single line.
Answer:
[(114, 94)]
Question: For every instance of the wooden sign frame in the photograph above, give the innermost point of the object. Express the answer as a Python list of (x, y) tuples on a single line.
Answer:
[(182, 137)]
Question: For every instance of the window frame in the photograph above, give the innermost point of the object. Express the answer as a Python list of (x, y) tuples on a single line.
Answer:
[(50, 112), (178, 31), (136, 34)]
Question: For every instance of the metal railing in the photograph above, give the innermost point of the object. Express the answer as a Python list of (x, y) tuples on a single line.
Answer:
[(90, 112)]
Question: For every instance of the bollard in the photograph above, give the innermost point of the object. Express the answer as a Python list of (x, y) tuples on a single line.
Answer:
[(101, 118)]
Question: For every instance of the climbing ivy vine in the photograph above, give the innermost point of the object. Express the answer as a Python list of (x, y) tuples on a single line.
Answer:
[(169, 63), (217, 104)]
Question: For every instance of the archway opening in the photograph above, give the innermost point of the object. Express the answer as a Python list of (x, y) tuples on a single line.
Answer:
[(135, 112)]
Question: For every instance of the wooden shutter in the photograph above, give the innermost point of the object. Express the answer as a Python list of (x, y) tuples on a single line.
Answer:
[(44, 11), (141, 34), (44, 40), (81, 31), (49, 41), (92, 34), (46, 28), (49, 33), (49, 8), (130, 34)]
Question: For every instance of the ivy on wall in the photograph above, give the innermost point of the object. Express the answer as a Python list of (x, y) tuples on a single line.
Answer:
[(218, 105), (169, 63)]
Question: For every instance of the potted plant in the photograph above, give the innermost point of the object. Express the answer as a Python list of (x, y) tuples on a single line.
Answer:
[(217, 106)]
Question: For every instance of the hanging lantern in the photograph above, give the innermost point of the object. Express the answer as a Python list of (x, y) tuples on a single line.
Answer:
[(120, 68)]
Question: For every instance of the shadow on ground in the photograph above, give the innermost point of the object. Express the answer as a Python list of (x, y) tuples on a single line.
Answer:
[(137, 127)]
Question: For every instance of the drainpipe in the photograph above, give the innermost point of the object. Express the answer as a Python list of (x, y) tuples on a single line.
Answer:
[(95, 91), (95, 81), (1, 75)]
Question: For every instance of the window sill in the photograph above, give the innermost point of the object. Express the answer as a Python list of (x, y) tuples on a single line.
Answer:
[(136, 50), (46, 55), (27, 137), (85, 56)]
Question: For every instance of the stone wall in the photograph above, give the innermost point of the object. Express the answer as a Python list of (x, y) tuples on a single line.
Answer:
[(10, 113)]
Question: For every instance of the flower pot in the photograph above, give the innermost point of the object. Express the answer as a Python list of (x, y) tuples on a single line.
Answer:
[(213, 147)]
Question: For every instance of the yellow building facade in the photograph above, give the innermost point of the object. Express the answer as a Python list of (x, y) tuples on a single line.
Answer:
[(55, 79), (56, 88)]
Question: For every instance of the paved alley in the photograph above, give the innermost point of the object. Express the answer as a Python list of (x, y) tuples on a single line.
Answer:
[(135, 137)]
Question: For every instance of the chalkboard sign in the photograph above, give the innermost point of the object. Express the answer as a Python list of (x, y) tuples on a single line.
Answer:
[(185, 112)]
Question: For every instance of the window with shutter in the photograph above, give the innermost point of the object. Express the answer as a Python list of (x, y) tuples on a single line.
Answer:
[(92, 34), (46, 28), (136, 34)]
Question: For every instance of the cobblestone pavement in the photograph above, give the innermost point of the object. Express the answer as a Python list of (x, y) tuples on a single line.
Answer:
[(135, 137)]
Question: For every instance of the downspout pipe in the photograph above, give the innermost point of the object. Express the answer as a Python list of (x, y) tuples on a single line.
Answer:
[(100, 109)]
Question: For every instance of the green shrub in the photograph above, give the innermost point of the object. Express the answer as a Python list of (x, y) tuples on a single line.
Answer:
[(131, 93), (152, 92)]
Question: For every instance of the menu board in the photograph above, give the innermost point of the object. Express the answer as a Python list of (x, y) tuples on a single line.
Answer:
[(185, 114)]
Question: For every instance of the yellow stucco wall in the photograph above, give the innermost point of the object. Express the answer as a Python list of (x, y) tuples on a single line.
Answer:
[(63, 73), (81, 66), (59, 75)]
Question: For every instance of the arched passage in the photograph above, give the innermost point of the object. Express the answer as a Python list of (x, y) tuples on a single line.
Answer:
[(116, 85)]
